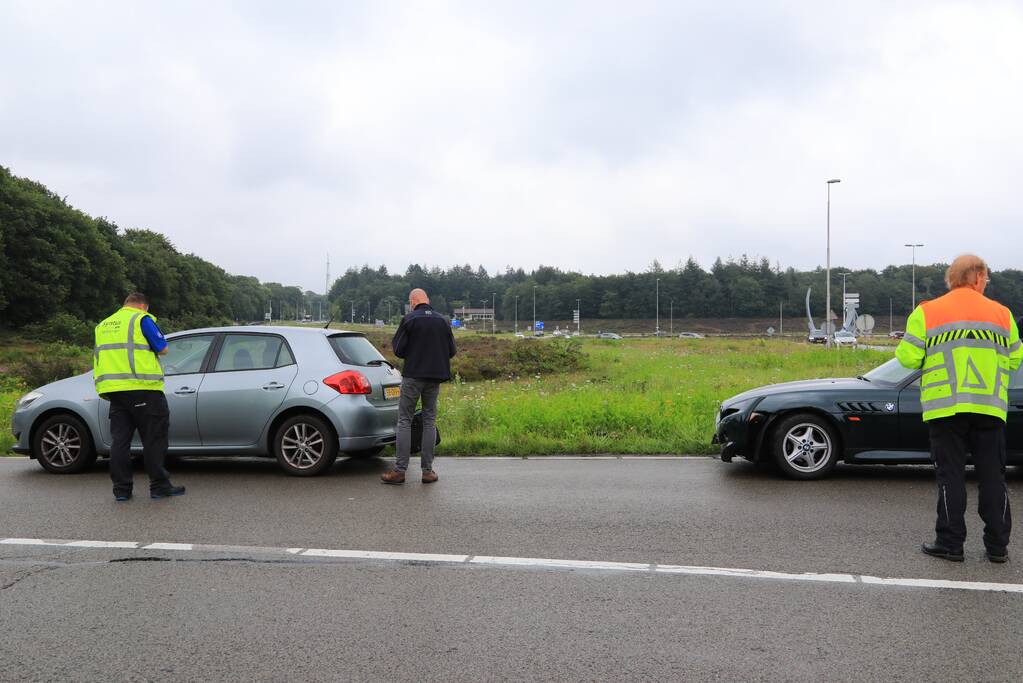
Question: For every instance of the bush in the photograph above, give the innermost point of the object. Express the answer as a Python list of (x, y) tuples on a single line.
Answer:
[(63, 327), (55, 361)]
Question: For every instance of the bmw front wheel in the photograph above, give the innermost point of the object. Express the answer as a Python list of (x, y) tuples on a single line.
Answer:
[(804, 446)]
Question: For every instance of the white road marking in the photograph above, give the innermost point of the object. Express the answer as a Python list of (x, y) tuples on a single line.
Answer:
[(539, 562), (563, 564), (168, 546), (103, 544), (378, 555)]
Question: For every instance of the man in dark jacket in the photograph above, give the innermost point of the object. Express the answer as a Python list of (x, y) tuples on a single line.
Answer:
[(425, 341)]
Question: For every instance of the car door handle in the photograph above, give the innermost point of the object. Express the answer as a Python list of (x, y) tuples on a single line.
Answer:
[(272, 386), (184, 391)]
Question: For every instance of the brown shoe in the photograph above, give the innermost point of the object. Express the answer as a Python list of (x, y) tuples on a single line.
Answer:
[(429, 476), (393, 477)]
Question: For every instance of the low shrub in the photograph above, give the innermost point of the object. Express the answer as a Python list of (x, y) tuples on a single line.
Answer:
[(52, 362), (62, 327)]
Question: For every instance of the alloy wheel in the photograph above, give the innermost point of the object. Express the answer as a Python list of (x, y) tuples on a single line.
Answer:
[(807, 447), (302, 446), (61, 445)]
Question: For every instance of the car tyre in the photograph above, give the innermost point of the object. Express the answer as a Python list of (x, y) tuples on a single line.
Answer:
[(365, 452), (63, 445), (305, 445), (804, 446)]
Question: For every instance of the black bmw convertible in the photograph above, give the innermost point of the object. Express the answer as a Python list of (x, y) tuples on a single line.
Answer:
[(807, 427)]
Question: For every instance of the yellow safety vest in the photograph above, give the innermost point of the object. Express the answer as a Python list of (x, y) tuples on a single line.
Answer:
[(122, 358)]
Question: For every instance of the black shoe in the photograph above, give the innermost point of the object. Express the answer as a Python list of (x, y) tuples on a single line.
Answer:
[(936, 550), (167, 492), (998, 557), (122, 497)]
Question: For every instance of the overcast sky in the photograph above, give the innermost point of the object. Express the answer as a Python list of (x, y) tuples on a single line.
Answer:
[(591, 136)]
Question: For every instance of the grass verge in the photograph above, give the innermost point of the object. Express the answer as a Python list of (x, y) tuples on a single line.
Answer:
[(637, 396)]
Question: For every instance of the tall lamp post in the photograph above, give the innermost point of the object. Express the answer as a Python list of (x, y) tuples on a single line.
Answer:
[(913, 248), (657, 306), (493, 309), (827, 286), (516, 314), (534, 309)]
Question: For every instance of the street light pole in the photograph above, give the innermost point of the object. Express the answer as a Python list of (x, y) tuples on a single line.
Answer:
[(657, 306), (827, 286), (913, 248), (534, 309), (516, 314), (493, 309)]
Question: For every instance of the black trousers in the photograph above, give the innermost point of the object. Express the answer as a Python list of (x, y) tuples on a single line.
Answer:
[(147, 412), (983, 437)]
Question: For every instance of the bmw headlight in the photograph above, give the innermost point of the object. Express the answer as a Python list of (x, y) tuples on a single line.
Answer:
[(28, 399), (738, 406)]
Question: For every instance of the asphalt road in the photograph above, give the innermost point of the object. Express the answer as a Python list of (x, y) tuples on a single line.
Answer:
[(242, 607)]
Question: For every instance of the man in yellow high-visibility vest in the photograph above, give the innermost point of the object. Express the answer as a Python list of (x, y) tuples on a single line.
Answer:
[(967, 346), (128, 374)]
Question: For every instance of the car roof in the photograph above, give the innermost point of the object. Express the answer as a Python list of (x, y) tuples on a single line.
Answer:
[(283, 330)]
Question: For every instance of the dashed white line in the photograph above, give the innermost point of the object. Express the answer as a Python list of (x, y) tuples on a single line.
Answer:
[(168, 546), (537, 562)]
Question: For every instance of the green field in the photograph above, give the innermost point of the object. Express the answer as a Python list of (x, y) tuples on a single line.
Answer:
[(636, 396), (632, 396)]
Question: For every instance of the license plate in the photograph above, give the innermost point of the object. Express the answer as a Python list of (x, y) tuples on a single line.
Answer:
[(392, 392)]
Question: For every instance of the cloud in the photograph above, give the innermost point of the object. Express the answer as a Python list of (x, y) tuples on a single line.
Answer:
[(580, 135)]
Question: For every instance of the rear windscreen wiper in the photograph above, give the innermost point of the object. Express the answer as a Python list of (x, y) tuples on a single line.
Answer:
[(380, 361)]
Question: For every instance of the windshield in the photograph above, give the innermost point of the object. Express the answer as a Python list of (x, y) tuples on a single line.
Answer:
[(354, 349), (890, 372)]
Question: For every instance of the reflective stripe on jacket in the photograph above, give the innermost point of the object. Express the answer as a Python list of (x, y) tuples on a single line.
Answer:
[(122, 359), (967, 346)]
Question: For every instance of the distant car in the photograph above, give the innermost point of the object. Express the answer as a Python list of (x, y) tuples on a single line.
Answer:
[(538, 333), (817, 337), (806, 427), (608, 335), (896, 334), (690, 335), (557, 333), (301, 395), (844, 338), (519, 335)]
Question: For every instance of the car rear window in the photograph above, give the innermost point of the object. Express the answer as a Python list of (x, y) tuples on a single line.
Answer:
[(354, 349)]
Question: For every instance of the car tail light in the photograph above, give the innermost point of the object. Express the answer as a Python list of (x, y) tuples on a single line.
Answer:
[(349, 382)]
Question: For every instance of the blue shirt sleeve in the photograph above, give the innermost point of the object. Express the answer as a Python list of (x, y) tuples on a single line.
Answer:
[(153, 335)]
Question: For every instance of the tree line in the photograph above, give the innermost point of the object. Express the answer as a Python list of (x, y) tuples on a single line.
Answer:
[(56, 260)]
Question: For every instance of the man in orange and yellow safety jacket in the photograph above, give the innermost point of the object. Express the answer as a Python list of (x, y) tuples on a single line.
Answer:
[(967, 346)]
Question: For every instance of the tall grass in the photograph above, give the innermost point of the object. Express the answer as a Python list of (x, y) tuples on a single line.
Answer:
[(636, 396)]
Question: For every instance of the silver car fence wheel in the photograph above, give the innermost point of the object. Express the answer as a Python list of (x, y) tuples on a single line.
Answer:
[(807, 447), (302, 446), (61, 445)]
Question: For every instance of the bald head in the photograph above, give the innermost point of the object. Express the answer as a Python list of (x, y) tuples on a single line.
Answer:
[(416, 297)]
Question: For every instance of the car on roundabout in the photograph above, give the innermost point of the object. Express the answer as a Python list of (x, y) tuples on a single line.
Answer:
[(608, 335), (807, 427), (300, 395)]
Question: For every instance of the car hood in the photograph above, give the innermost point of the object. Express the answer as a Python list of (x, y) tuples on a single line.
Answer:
[(71, 387), (839, 384)]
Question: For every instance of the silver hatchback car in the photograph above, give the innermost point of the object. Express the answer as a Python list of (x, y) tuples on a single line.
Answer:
[(300, 395)]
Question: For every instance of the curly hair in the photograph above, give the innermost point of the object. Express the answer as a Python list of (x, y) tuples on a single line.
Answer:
[(964, 271)]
